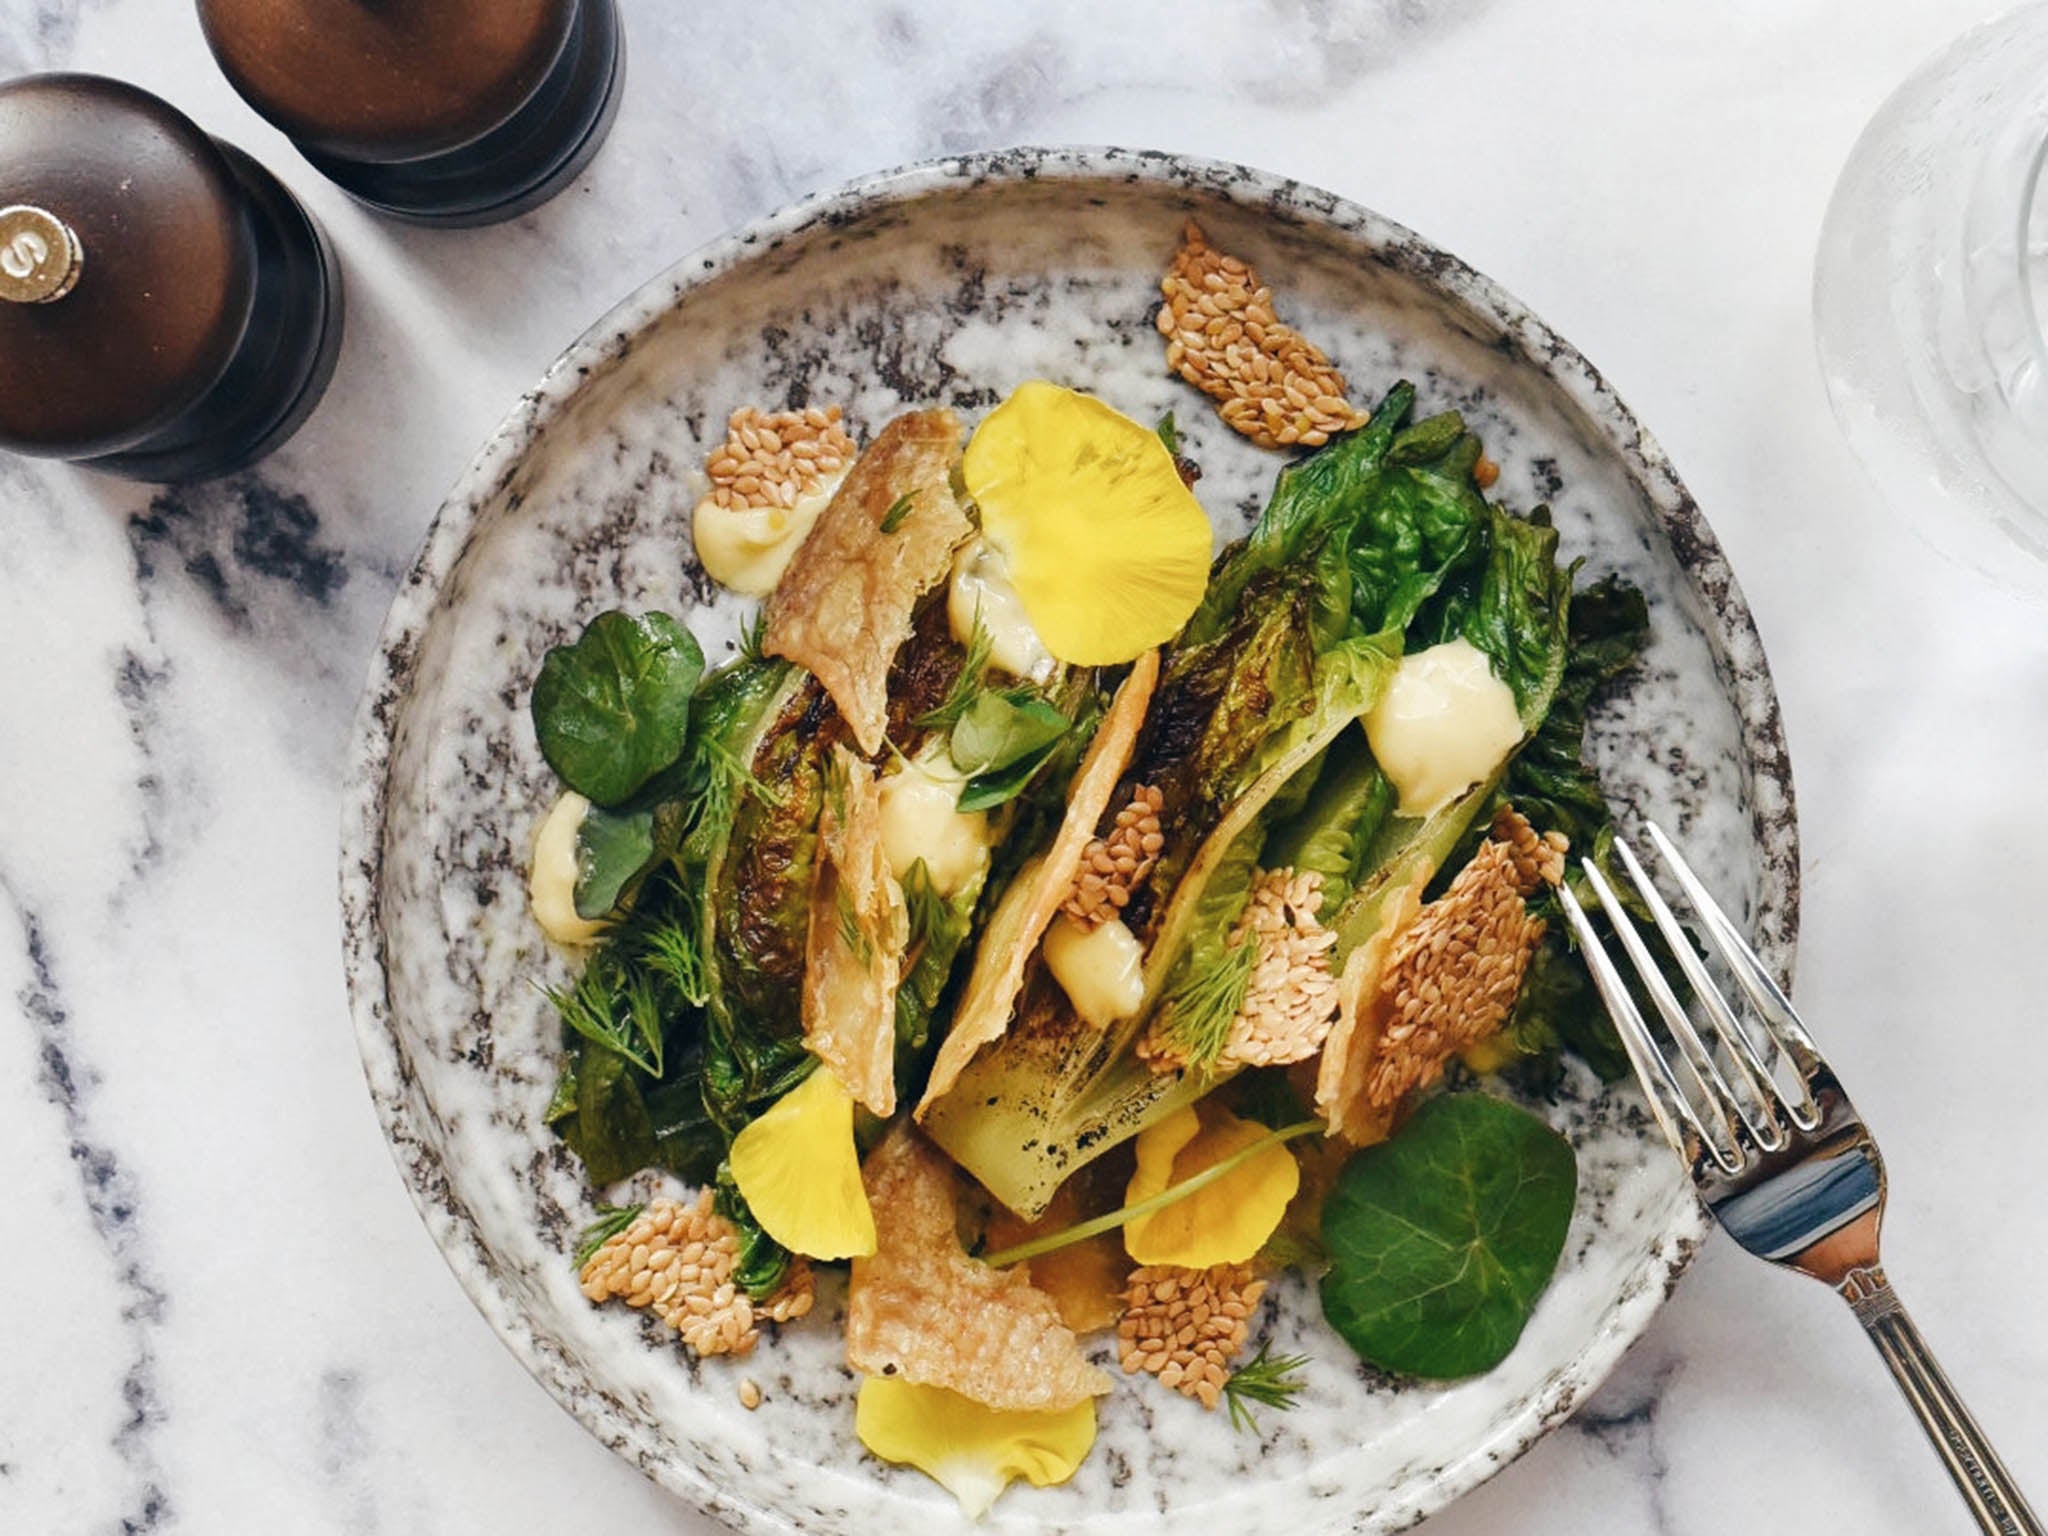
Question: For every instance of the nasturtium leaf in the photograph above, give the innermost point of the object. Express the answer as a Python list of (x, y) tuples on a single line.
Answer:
[(986, 791), (611, 848), (1000, 729), (613, 709), (1441, 1239)]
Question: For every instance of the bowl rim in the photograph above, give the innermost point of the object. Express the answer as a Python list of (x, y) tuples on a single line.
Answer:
[(394, 1086)]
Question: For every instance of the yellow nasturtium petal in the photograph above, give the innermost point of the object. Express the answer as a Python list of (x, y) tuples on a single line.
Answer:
[(1106, 547), (974, 1451), (1221, 1223), (800, 1172)]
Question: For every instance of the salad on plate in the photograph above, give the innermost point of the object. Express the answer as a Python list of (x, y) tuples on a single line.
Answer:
[(1061, 931)]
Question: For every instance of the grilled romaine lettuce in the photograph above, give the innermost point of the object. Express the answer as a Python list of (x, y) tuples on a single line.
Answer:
[(1377, 544)]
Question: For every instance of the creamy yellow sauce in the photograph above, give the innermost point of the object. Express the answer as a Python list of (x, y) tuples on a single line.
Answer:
[(1101, 969), (1444, 723), (981, 588), (748, 548), (551, 884), (919, 821)]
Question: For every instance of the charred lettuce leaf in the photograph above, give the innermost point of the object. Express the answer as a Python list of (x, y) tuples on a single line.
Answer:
[(1309, 514), (1552, 784), (1549, 779), (1217, 705)]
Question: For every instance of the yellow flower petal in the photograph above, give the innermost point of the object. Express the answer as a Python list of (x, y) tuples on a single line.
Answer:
[(1106, 547), (1221, 1223), (800, 1173), (971, 1450)]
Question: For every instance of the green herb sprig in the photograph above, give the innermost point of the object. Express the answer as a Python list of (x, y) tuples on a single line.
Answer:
[(611, 1221), (1203, 1004), (1270, 1380), (1095, 1226), (967, 686), (612, 1006), (899, 509), (672, 948), (926, 912)]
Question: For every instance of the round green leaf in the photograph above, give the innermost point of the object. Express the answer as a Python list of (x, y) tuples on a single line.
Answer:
[(612, 710), (1441, 1240)]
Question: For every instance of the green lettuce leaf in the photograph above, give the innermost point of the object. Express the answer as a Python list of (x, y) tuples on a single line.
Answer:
[(1333, 831), (1313, 503), (1549, 780), (1423, 526)]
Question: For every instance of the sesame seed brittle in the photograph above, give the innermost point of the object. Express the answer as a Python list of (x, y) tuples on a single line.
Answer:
[(1290, 1001), (1435, 978), (1271, 383), (1116, 865), (678, 1261)]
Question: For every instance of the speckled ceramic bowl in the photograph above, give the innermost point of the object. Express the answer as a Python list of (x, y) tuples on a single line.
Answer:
[(951, 282)]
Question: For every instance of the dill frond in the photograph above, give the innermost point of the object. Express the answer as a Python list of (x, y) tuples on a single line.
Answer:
[(849, 929), (1271, 1381), (967, 686), (598, 1008), (725, 779), (1194, 1024), (643, 1012), (670, 948), (752, 633), (924, 908)]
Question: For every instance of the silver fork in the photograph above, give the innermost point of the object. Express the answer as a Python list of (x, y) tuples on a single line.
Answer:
[(1776, 1149)]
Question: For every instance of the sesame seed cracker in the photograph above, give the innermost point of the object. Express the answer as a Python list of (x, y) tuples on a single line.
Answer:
[(678, 1261), (1271, 383)]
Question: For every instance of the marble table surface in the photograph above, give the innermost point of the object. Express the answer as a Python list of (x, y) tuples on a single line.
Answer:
[(221, 1314)]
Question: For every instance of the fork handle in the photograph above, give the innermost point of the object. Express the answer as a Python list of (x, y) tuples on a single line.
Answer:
[(1994, 1498)]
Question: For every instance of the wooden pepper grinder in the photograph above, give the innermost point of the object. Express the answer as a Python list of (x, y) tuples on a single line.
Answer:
[(450, 112), (167, 310)]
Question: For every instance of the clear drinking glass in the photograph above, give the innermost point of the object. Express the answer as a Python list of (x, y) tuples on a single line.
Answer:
[(1929, 292)]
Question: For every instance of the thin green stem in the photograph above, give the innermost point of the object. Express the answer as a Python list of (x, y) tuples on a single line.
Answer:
[(1097, 1225)]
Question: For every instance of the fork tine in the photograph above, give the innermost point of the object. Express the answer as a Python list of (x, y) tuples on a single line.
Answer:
[(1668, 1102), (1705, 1075), (1782, 1027), (1756, 1104)]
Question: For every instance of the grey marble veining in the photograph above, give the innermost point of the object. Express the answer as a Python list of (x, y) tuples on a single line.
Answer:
[(223, 1314)]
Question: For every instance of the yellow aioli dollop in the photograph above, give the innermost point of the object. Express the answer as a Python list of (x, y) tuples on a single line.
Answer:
[(748, 548), (551, 883), (981, 588), (1444, 723), (1101, 969), (920, 820)]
